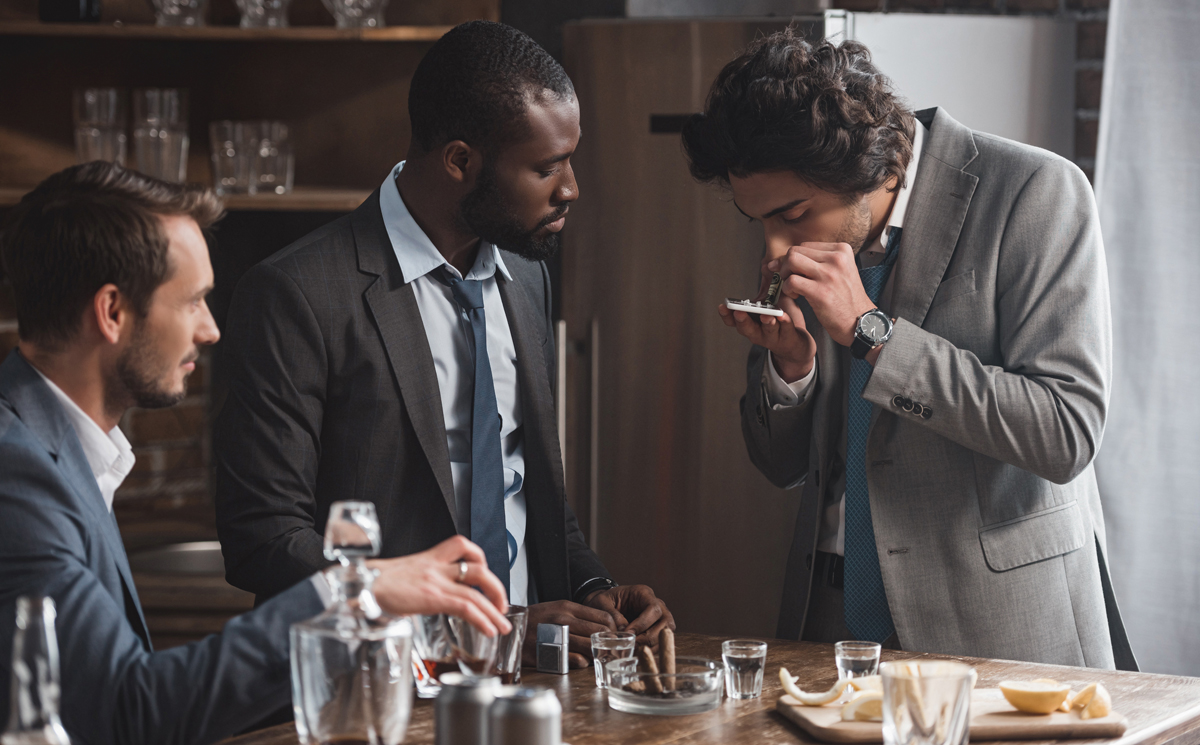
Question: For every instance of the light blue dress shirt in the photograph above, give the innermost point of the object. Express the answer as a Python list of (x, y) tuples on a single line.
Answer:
[(450, 340)]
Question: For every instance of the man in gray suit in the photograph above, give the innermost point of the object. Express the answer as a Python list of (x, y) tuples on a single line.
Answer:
[(403, 354), (110, 271), (938, 383)]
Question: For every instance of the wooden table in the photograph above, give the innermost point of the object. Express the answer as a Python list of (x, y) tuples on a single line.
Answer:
[(1160, 708)]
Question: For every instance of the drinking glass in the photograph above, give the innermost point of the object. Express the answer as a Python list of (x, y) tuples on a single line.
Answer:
[(233, 164), (857, 659), (433, 653), (926, 703), (160, 133), (99, 125), (272, 153), (508, 652), (357, 13), (263, 13), (608, 646), (745, 660), (180, 12), (474, 651)]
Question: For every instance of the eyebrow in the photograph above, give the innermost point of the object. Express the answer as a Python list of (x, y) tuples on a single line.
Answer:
[(555, 159), (204, 293)]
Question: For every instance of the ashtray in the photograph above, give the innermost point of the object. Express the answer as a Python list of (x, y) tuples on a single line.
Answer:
[(696, 686)]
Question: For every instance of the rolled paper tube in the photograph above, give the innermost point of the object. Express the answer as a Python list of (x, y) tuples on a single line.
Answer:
[(653, 682), (666, 643), (773, 290)]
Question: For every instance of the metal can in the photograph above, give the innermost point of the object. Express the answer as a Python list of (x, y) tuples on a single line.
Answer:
[(525, 716), (460, 713)]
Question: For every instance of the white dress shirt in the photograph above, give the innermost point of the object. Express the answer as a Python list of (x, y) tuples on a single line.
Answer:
[(448, 330), (108, 455), (781, 394)]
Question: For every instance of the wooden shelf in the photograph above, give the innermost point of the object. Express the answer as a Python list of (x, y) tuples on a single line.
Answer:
[(222, 33), (302, 199)]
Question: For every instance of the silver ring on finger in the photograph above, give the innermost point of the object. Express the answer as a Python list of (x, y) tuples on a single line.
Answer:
[(462, 572)]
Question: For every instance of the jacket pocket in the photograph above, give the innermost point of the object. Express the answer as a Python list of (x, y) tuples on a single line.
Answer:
[(956, 286), (1034, 537)]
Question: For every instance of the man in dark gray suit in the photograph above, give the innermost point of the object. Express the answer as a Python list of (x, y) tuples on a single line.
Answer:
[(403, 354), (938, 383), (110, 271)]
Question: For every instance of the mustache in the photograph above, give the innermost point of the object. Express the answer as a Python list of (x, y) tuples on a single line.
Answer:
[(558, 213), (192, 356)]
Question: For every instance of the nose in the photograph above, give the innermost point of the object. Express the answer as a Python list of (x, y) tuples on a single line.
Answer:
[(777, 244), (568, 190), (207, 332)]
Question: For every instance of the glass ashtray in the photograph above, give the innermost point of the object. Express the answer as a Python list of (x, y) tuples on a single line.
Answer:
[(695, 687)]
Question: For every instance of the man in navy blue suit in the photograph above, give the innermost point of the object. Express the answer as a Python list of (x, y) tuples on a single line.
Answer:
[(110, 270)]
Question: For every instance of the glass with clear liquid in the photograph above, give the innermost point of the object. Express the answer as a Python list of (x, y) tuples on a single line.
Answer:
[(745, 660), (33, 718), (608, 646), (857, 659)]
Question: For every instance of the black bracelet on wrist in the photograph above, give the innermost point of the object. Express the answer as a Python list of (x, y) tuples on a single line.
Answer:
[(592, 585)]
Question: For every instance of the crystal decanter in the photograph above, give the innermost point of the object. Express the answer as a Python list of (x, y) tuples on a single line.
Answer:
[(33, 715), (351, 673)]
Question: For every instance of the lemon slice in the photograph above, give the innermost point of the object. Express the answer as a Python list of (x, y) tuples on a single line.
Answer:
[(1093, 701), (810, 699), (866, 706), (867, 683), (1066, 704), (1034, 697)]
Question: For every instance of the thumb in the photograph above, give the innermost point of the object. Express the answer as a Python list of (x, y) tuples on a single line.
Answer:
[(795, 316)]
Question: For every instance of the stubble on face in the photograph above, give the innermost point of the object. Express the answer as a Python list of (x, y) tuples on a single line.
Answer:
[(857, 225), (486, 213), (143, 378)]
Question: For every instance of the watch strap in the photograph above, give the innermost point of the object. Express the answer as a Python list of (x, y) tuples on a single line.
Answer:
[(859, 348)]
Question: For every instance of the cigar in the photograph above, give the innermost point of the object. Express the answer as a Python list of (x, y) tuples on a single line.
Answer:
[(666, 642), (653, 682)]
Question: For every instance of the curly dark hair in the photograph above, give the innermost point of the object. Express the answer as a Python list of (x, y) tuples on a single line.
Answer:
[(475, 82), (822, 111)]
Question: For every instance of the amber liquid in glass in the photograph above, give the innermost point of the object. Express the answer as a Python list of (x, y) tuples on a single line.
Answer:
[(437, 667)]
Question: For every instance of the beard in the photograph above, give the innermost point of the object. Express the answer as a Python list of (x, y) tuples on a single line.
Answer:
[(142, 376), (486, 213), (857, 227)]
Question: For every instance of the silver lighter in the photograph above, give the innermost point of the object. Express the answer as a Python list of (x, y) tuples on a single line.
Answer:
[(552, 644)]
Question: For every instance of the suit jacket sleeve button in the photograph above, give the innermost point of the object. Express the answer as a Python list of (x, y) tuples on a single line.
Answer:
[(908, 404), (898, 401), (928, 412), (918, 409)]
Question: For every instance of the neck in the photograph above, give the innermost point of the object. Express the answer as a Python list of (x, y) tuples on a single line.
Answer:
[(79, 376), (434, 207)]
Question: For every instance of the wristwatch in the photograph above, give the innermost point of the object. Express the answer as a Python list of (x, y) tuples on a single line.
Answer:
[(872, 329)]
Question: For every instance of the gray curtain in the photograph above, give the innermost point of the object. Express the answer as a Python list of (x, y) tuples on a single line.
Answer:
[(1148, 189)]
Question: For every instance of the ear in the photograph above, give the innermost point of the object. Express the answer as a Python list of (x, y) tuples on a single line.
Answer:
[(461, 161), (111, 313)]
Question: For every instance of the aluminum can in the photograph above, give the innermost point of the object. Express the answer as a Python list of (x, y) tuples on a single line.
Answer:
[(460, 713), (525, 716)]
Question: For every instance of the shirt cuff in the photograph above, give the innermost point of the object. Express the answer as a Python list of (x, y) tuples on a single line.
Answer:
[(782, 394), (324, 591)]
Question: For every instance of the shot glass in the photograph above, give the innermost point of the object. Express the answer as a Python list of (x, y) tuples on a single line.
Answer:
[(926, 703), (356, 13), (180, 12), (857, 659), (433, 653), (744, 660), (233, 164), (160, 133), (474, 651), (608, 646), (508, 652), (99, 115), (271, 150), (263, 13)]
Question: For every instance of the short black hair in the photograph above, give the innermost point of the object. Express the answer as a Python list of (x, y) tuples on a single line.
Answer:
[(822, 111), (475, 83), (85, 227)]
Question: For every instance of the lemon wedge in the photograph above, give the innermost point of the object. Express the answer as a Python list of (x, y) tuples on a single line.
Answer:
[(1093, 701), (1034, 697), (866, 706), (867, 683), (811, 699)]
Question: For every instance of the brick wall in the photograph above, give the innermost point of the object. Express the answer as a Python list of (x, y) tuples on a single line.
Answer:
[(1092, 20)]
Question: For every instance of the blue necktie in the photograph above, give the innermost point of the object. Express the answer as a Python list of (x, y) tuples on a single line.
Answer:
[(865, 602), (487, 528)]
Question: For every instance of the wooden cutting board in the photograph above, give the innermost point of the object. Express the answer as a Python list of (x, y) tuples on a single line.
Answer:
[(992, 718)]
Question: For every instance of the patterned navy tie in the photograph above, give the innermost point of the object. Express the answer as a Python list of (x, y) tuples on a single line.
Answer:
[(487, 528), (865, 602)]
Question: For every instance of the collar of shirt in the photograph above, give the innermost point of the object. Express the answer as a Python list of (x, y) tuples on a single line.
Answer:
[(874, 253), (415, 252), (108, 455)]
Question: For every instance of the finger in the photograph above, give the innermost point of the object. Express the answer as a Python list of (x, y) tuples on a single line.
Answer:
[(797, 286), (485, 607), (580, 644), (577, 661), (648, 617), (458, 548), (748, 327), (478, 575), (651, 636), (726, 315), (794, 317), (474, 610), (799, 262), (604, 601)]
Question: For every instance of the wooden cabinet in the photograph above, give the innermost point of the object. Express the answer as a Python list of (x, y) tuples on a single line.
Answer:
[(655, 459)]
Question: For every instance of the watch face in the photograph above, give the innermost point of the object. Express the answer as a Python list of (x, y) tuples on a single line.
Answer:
[(873, 327)]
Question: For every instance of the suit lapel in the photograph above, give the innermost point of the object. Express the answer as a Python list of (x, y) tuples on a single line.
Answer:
[(41, 412), (937, 209), (393, 305)]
